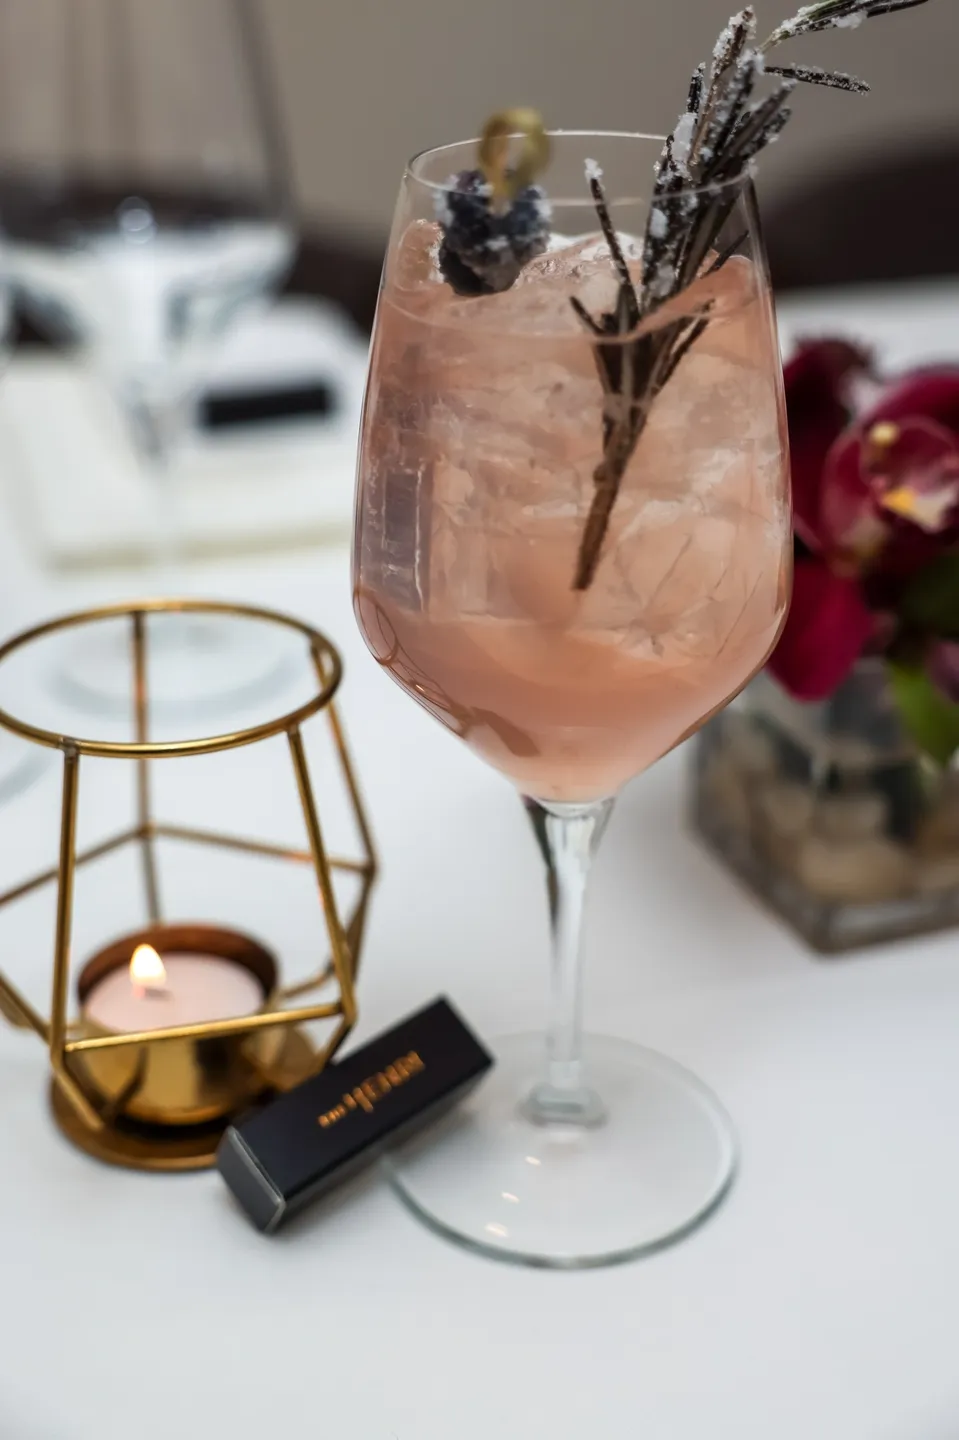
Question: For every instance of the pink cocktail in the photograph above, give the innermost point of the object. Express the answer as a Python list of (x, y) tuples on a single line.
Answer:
[(479, 445), (485, 421)]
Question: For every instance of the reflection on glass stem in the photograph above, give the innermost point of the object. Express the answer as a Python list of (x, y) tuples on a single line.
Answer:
[(568, 836)]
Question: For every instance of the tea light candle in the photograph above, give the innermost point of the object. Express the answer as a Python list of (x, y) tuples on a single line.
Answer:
[(182, 988)]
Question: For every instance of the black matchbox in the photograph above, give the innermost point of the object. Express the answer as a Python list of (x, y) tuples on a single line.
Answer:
[(324, 1131)]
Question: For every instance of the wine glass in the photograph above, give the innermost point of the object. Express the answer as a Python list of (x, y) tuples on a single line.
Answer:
[(571, 671), (144, 190)]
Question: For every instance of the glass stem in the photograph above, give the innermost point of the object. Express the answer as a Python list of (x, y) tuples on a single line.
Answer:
[(159, 425), (568, 836)]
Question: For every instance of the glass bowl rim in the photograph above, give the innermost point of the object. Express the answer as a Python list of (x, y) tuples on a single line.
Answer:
[(739, 182)]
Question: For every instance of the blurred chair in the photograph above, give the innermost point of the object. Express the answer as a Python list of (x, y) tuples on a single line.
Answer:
[(883, 220)]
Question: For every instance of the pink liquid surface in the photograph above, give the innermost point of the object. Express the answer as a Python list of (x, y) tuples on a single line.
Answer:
[(482, 430)]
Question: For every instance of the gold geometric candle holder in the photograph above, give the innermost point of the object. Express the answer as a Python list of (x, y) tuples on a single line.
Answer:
[(160, 1098)]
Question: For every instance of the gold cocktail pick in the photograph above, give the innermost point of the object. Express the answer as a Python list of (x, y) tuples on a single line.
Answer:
[(508, 176)]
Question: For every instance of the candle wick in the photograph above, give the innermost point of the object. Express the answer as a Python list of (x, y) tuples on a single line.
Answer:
[(151, 992)]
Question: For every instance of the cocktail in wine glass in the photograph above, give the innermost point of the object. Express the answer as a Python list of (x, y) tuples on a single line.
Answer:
[(572, 599)]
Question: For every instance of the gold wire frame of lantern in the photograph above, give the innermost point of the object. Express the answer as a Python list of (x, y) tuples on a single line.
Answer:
[(97, 1127)]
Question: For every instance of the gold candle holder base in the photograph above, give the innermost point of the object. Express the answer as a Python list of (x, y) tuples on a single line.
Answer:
[(160, 1099), (176, 1149)]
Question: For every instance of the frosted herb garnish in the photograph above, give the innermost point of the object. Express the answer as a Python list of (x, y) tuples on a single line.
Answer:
[(495, 220), (725, 126)]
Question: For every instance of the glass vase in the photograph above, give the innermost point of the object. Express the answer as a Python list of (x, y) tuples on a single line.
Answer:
[(829, 813)]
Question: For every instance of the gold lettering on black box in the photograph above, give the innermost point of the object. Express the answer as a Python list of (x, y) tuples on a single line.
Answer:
[(366, 1095)]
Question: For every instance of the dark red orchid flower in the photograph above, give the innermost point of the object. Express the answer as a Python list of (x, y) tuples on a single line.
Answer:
[(876, 497), (890, 495)]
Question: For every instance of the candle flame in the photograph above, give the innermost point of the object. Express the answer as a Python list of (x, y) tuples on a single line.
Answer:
[(147, 969)]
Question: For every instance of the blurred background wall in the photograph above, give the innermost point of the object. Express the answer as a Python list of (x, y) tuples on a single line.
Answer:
[(366, 83)]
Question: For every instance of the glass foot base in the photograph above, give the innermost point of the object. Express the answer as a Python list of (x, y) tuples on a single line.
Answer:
[(198, 666), (567, 1196)]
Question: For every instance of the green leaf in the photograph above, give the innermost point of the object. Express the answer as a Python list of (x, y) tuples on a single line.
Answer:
[(931, 719), (931, 599)]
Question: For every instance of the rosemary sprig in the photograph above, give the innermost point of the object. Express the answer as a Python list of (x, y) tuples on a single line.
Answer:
[(727, 123), (835, 14), (630, 372), (815, 75)]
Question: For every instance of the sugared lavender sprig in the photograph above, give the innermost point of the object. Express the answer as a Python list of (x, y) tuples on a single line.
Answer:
[(835, 15), (815, 75), (727, 123)]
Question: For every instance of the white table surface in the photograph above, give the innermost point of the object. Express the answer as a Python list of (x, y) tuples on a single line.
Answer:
[(820, 1301)]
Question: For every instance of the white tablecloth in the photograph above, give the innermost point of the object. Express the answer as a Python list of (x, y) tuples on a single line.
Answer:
[(819, 1302)]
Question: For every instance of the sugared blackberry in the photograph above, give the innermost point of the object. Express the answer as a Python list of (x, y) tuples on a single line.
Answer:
[(483, 250)]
